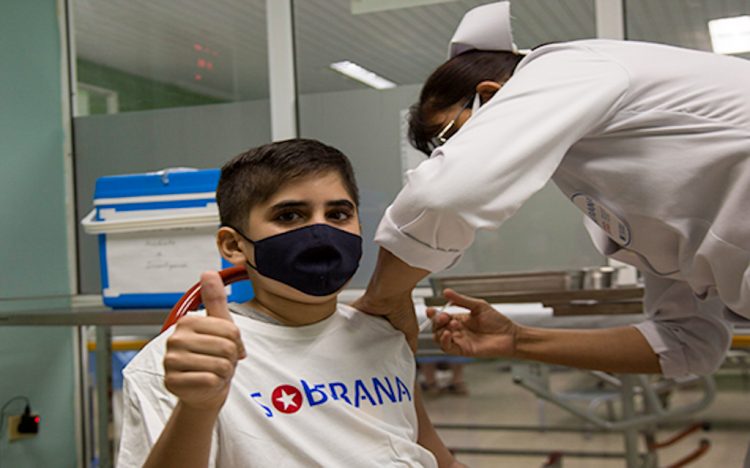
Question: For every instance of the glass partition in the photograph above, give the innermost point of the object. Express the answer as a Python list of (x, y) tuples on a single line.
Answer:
[(140, 55), (163, 84), (685, 23), (403, 42)]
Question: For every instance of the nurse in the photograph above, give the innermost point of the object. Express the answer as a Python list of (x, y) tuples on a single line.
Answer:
[(651, 142)]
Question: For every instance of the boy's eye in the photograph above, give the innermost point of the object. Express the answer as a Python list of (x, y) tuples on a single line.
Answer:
[(288, 216), (339, 215)]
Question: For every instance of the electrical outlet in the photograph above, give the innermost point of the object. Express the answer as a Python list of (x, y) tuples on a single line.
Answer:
[(13, 433)]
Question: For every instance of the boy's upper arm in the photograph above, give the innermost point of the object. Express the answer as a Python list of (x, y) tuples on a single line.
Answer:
[(427, 436)]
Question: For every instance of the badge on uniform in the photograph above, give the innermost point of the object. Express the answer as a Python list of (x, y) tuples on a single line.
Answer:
[(617, 229)]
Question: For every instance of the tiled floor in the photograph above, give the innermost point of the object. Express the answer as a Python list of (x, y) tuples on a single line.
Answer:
[(495, 399)]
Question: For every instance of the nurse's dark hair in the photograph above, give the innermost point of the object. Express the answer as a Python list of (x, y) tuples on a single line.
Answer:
[(452, 82), (254, 176)]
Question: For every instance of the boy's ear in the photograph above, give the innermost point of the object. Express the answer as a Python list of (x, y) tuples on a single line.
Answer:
[(229, 246)]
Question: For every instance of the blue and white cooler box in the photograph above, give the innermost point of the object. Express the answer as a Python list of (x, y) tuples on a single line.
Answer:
[(156, 235)]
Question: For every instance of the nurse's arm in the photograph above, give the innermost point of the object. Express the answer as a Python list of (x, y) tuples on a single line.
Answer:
[(618, 350), (485, 332), (392, 279), (389, 293)]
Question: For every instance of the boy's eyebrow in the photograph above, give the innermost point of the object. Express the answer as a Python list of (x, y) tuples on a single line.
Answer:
[(342, 202), (289, 204), (299, 203)]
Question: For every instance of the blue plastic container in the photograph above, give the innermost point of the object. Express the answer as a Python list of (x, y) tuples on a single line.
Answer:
[(156, 235)]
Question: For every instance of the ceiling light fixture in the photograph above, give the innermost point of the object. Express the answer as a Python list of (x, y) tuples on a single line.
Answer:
[(730, 35), (369, 6), (354, 71)]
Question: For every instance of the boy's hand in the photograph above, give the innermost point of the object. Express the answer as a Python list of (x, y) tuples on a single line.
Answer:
[(484, 332), (202, 353)]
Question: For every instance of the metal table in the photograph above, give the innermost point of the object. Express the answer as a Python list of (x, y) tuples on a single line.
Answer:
[(103, 319), (614, 304)]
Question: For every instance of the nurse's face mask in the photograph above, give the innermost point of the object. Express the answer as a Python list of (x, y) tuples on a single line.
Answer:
[(317, 260)]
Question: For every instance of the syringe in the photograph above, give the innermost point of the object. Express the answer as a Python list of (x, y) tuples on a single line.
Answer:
[(428, 323)]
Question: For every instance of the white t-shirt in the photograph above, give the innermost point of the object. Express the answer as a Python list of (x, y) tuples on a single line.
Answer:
[(339, 392), (651, 142)]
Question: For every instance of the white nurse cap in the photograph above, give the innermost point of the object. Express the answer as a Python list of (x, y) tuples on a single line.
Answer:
[(486, 27)]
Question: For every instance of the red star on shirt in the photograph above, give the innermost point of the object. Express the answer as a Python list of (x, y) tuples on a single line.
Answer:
[(287, 399)]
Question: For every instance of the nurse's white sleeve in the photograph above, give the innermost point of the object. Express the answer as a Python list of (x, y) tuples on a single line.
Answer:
[(689, 335), (504, 154)]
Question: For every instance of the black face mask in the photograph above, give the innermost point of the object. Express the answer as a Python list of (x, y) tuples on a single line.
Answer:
[(317, 260)]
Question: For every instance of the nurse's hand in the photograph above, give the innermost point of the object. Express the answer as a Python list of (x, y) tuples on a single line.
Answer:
[(399, 311), (202, 353), (483, 332)]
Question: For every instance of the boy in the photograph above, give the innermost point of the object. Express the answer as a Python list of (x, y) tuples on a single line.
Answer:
[(290, 378)]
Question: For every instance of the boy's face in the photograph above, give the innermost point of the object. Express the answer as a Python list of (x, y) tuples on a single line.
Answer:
[(316, 199)]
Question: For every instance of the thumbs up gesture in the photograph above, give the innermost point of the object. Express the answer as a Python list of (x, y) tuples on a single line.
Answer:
[(202, 353)]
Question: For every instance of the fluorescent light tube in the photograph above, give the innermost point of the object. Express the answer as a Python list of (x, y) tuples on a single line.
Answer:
[(730, 35), (368, 6), (354, 71)]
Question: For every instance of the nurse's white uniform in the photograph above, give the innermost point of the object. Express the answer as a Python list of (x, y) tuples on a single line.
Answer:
[(652, 142)]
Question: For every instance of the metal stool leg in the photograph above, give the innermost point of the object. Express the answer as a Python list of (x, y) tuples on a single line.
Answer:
[(630, 434)]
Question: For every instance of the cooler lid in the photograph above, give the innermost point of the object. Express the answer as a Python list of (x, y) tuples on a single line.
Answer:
[(171, 181)]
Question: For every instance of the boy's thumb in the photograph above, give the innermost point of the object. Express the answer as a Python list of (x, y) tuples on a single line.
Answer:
[(214, 296)]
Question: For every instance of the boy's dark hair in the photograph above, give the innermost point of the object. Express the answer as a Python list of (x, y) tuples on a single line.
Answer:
[(452, 82), (255, 175)]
